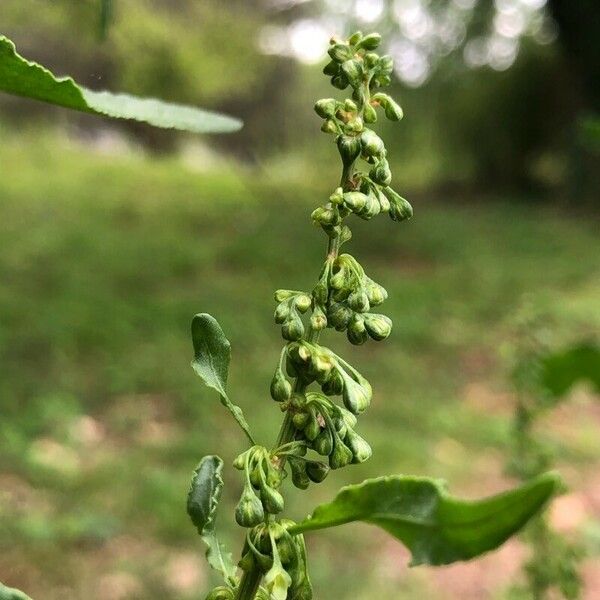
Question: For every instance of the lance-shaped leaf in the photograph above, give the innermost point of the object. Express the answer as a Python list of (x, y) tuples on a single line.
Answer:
[(212, 354), (562, 370), (26, 78), (7, 593), (203, 499), (437, 528)]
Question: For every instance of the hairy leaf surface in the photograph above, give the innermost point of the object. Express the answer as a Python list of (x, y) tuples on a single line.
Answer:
[(26, 78), (203, 499), (212, 354), (437, 528)]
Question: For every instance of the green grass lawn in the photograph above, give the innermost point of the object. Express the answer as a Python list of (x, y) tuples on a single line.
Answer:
[(103, 262)]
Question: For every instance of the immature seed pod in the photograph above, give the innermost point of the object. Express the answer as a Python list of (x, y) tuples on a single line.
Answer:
[(356, 332), (355, 201), (359, 301), (299, 476), (341, 456), (317, 471), (355, 38), (282, 312), (340, 81), (329, 126), (221, 593), (323, 443), (272, 500), (391, 108), (349, 149), (381, 173), (302, 302), (249, 511), (400, 209), (326, 107), (293, 329), (378, 327), (354, 71), (300, 420), (324, 215), (371, 143), (318, 320), (359, 447), (340, 426), (356, 397), (386, 64), (370, 41), (312, 429), (370, 114), (333, 385), (281, 388), (355, 125), (339, 316), (376, 293), (331, 68), (340, 53)]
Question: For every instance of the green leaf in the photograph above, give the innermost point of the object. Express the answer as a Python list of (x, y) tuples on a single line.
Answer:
[(562, 370), (437, 528), (212, 354), (203, 499), (21, 77), (7, 593)]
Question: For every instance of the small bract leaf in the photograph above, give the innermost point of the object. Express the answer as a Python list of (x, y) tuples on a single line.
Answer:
[(437, 528), (7, 593), (212, 354), (203, 499), (25, 78)]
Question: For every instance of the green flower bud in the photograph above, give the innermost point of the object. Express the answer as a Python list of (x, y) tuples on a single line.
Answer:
[(359, 447), (359, 301), (350, 105), (353, 71), (221, 593), (381, 173), (272, 500), (340, 81), (371, 143), (326, 107), (302, 302), (340, 426), (249, 510), (370, 41), (338, 196), (376, 293), (300, 420), (323, 443), (355, 201), (371, 59), (293, 329), (239, 462), (282, 313), (386, 64), (356, 397), (333, 385), (324, 215), (349, 149), (299, 476), (331, 68), (355, 125), (384, 203), (313, 428), (281, 388), (356, 331), (317, 471), (341, 456), (355, 38), (339, 315), (393, 111), (378, 326), (370, 114), (340, 52), (318, 320), (400, 209), (329, 126)]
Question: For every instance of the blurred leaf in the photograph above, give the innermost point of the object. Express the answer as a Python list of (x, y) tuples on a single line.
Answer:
[(7, 593), (212, 354), (106, 10), (562, 370), (21, 77), (437, 528), (203, 499)]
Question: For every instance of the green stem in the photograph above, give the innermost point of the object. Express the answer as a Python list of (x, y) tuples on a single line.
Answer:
[(249, 585)]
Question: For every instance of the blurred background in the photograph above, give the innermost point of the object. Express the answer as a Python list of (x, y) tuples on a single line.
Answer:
[(112, 235)]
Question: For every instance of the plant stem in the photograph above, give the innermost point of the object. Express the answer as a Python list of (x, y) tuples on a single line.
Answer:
[(249, 585)]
